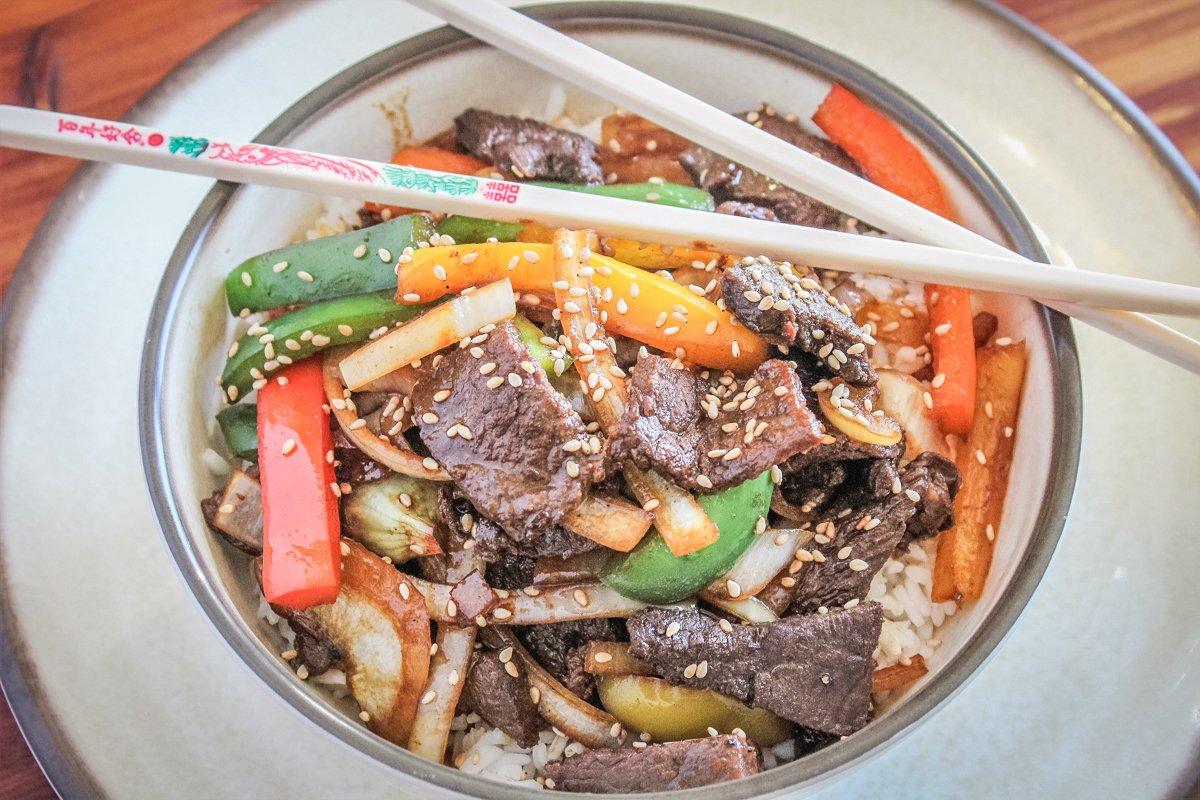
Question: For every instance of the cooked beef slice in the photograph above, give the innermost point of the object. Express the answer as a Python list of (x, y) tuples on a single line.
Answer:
[(502, 700), (511, 572), (552, 645), (729, 181), (491, 543), (689, 764), (761, 422), (851, 549), (473, 597), (836, 447), (314, 648), (737, 208), (803, 314), (814, 670), (807, 740), (810, 488), (506, 453), (935, 480), (528, 149), (353, 466)]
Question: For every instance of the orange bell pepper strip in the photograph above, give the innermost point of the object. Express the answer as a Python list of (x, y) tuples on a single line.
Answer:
[(301, 554), (428, 157), (635, 303), (645, 255), (890, 160)]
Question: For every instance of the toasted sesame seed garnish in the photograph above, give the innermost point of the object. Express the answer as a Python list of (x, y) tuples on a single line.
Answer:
[(246, 279), (603, 657), (502, 613), (429, 463), (912, 495), (938, 380), (704, 481), (305, 276), (288, 446), (651, 504), (990, 531), (1004, 341), (581, 598), (358, 423), (428, 697), (337, 490), (345, 330), (411, 297), (702, 669), (441, 395), (733, 588), (689, 672), (858, 565), (980, 457)]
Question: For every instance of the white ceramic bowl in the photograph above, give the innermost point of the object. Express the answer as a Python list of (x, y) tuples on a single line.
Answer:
[(422, 84)]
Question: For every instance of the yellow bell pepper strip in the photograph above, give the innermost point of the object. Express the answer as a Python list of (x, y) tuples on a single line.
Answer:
[(645, 255), (633, 302), (301, 555), (677, 516), (890, 160)]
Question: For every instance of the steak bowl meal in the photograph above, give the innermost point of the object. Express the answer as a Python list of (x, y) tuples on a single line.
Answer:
[(576, 512)]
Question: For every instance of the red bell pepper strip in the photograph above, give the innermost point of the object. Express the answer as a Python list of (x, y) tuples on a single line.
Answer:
[(891, 161), (301, 553)]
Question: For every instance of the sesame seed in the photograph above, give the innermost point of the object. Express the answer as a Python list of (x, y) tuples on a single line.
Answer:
[(288, 446), (429, 463), (938, 380), (514, 379), (701, 669), (246, 279), (943, 329), (502, 613), (689, 671), (733, 588), (441, 395), (912, 495), (672, 629), (927, 398), (428, 697), (384, 254), (571, 307), (320, 340), (603, 657), (532, 257), (411, 297), (844, 553), (858, 565), (990, 530), (572, 469), (358, 423), (980, 457), (651, 504), (780, 391), (1004, 341), (704, 481), (634, 291), (581, 598), (488, 368)]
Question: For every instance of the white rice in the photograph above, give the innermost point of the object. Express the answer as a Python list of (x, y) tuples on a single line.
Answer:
[(902, 587)]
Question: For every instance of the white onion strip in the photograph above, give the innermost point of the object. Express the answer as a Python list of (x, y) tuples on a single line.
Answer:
[(767, 556), (535, 606), (567, 712), (747, 609), (439, 327), (447, 674)]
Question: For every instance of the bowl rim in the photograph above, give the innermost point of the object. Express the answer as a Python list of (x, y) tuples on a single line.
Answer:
[(210, 592)]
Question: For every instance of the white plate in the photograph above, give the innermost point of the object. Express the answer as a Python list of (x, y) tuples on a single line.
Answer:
[(125, 689)]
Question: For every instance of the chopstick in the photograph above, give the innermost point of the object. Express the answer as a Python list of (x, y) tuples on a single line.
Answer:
[(571, 60), (385, 183)]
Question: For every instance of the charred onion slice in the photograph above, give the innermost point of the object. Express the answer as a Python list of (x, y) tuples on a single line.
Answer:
[(903, 398), (612, 658), (566, 711), (437, 328), (611, 521), (447, 674), (850, 411), (403, 461), (380, 625), (678, 517), (767, 556)]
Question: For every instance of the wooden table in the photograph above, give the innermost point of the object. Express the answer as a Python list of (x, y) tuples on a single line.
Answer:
[(1149, 48)]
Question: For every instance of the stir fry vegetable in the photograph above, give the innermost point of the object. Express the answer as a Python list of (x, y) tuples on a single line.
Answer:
[(848, 409), (611, 521), (768, 554), (430, 332), (964, 553), (652, 574), (644, 255), (674, 713), (667, 194), (393, 517), (333, 266), (555, 361), (633, 302), (239, 427), (468, 230), (890, 160), (298, 334), (300, 514), (897, 675), (680, 520), (612, 658)]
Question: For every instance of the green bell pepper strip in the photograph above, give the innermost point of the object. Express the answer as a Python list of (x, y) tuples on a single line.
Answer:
[(667, 194), (651, 573), (473, 230), (300, 333), (239, 426), (281, 278), (532, 335)]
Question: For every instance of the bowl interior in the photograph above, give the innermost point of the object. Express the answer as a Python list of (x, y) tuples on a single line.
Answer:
[(415, 90)]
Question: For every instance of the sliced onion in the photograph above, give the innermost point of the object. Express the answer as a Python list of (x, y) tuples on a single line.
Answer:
[(437, 328), (403, 461), (583, 568), (447, 674), (612, 658), (747, 609), (767, 556), (903, 397), (566, 711), (535, 606), (398, 381)]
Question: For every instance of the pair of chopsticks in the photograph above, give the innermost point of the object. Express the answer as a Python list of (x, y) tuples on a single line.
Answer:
[(963, 257)]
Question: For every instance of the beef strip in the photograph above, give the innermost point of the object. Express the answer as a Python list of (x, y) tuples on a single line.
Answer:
[(689, 764), (737, 208), (353, 466), (314, 648), (814, 670), (501, 699), (511, 572), (528, 149), (665, 426), (510, 462), (804, 315), (936, 480), (473, 597), (492, 544), (235, 511), (807, 740), (728, 181), (809, 489), (552, 645), (837, 447)]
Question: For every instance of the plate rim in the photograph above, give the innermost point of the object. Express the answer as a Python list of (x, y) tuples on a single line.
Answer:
[(814, 769), (48, 743)]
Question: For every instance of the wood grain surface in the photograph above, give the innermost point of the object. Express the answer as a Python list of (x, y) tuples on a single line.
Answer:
[(98, 57)]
